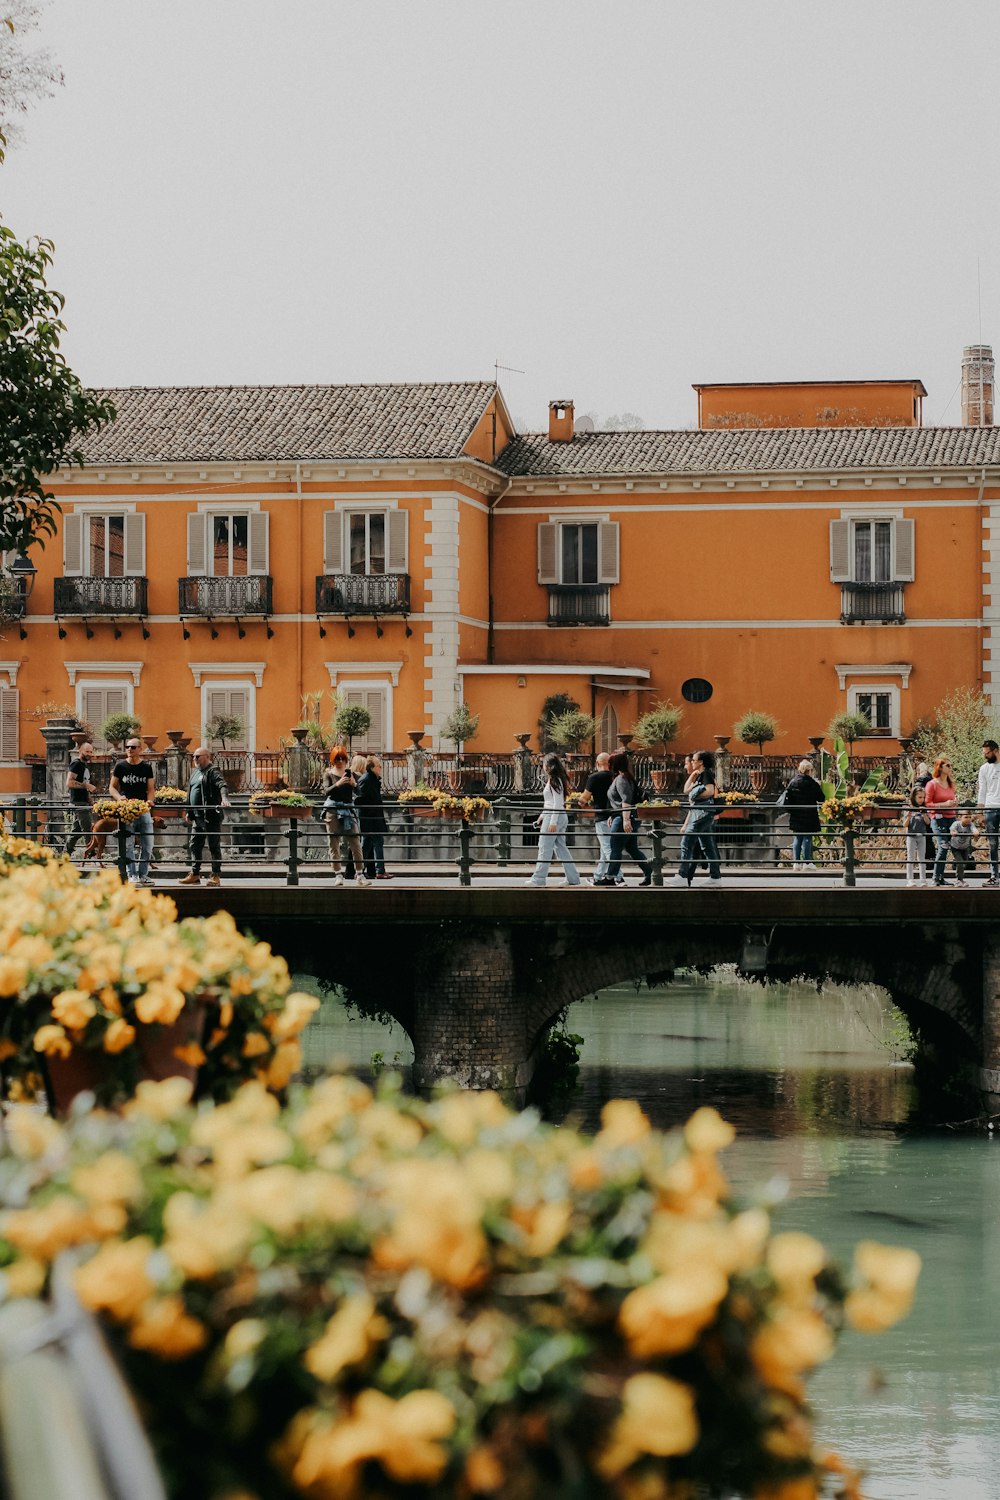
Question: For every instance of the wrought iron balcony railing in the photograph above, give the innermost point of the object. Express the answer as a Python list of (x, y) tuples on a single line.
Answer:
[(215, 597), (872, 603), (363, 594), (579, 604), (109, 597)]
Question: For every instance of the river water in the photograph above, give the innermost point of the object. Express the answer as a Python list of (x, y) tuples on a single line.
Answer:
[(825, 1109)]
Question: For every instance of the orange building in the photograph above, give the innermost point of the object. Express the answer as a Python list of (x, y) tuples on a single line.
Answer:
[(234, 549)]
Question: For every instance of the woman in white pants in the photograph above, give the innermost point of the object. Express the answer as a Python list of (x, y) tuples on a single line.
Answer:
[(552, 839)]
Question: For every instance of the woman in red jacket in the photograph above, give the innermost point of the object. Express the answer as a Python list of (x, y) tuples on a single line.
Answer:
[(941, 802)]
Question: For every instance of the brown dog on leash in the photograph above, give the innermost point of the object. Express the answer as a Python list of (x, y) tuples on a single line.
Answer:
[(95, 845)]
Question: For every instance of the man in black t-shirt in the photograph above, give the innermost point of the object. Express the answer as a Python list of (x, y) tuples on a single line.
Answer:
[(79, 789), (598, 783), (133, 777)]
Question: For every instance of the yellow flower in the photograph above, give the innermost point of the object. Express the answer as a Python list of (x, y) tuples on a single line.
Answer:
[(542, 1224), (256, 1044), (202, 1237), (13, 975), (331, 1101), (166, 1328), (118, 1036), (666, 1316), (657, 1417), (890, 1277), (622, 1124), (43, 1232), (30, 1134), (160, 1003), (351, 1333), (160, 1101), (116, 1280), (402, 1435), (708, 1131), (190, 1055), (73, 1009), (795, 1260), (112, 1178), (792, 1341), (284, 1065), (53, 1041), (461, 1116), (436, 1224), (243, 1339), (25, 1278), (296, 1014), (7, 1049)]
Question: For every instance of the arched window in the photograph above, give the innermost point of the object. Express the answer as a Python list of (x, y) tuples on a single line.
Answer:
[(607, 730)]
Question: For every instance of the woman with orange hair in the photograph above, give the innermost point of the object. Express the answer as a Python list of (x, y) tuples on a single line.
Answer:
[(941, 802), (340, 814)]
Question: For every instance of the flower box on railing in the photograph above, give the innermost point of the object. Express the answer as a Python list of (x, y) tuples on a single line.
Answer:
[(665, 812)]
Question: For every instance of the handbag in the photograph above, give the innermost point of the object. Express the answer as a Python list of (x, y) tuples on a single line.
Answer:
[(783, 799)]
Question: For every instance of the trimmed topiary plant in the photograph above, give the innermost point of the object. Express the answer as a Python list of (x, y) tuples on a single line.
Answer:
[(351, 721), (658, 726), (569, 730), (117, 728), (460, 727), (849, 727), (756, 728)]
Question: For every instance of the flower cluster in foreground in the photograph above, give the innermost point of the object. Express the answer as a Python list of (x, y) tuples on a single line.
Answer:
[(104, 969), (369, 1296)]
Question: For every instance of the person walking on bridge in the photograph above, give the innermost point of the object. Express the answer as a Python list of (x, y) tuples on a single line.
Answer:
[(988, 798), (942, 804), (622, 797), (553, 824), (598, 785), (207, 801), (803, 797), (696, 835)]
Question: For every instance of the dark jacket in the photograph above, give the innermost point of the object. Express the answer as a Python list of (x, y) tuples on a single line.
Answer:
[(368, 801), (598, 785), (803, 796), (207, 811)]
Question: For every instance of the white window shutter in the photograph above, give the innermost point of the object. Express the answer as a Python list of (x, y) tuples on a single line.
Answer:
[(9, 711), (197, 562), (333, 542), (216, 703), (904, 551), (73, 544), (257, 563), (92, 710), (840, 551), (239, 707), (375, 704), (135, 544), (115, 702), (396, 542), (548, 553), (607, 552)]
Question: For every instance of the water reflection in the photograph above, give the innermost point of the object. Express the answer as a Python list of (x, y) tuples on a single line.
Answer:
[(815, 1085)]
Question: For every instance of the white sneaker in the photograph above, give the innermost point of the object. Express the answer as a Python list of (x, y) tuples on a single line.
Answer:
[(679, 882), (717, 882), (337, 880), (360, 879), (538, 884)]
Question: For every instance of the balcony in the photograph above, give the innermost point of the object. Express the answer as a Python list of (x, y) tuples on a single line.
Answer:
[(579, 604), (872, 604), (109, 598), (215, 598), (363, 594)]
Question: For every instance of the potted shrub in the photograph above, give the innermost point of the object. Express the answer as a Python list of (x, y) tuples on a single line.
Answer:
[(458, 728), (223, 727), (284, 804), (554, 706), (756, 728), (849, 727), (168, 802), (117, 728), (568, 731), (657, 727), (350, 721)]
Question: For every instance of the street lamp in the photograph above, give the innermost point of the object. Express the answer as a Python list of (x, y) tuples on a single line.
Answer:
[(24, 573)]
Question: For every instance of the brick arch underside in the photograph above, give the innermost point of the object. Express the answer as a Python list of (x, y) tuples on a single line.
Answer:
[(937, 986)]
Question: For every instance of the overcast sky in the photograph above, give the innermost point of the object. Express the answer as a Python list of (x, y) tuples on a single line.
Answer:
[(617, 198)]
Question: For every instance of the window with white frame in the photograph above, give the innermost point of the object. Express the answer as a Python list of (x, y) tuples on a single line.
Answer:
[(365, 541), (104, 545), (578, 552), (227, 544), (230, 700), (377, 700), (871, 549), (880, 705), (97, 700)]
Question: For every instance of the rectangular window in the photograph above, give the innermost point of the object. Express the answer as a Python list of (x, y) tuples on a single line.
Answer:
[(877, 708), (235, 702), (872, 551), (96, 702), (374, 699), (367, 531), (579, 553), (105, 546), (230, 546)]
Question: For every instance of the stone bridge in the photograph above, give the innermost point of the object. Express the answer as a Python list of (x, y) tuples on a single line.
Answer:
[(476, 976)]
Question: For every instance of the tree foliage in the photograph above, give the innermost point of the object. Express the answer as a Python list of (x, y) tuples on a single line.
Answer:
[(849, 727), (460, 726), (223, 727), (554, 705), (27, 73), (658, 726), (756, 728), (44, 410), (956, 729), (351, 720), (569, 730)]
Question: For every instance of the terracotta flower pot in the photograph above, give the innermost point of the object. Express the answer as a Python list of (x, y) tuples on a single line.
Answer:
[(659, 779), (88, 1070), (278, 810), (735, 813), (665, 814)]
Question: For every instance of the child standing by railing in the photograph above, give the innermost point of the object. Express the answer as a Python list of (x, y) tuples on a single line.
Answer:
[(918, 825)]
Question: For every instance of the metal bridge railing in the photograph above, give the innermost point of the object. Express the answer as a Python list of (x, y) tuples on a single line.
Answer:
[(752, 839)]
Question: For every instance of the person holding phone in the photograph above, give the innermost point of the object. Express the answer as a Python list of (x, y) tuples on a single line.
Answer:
[(341, 816)]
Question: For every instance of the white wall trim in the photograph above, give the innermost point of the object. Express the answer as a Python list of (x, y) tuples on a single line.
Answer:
[(369, 502), (109, 506), (901, 669), (831, 623), (117, 670), (583, 518), (200, 669), (390, 669), (379, 685), (11, 668), (549, 669), (235, 506), (870, 512)]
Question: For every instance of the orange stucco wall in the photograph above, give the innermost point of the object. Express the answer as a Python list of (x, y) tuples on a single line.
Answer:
[(863, 403)]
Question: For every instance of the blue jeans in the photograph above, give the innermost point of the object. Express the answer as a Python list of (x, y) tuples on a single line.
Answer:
[(602, 828), (941, 825), (372, 845), (140, 847), (623, 843), (699, 845), (552, 843), (802, 848), (991, 825)]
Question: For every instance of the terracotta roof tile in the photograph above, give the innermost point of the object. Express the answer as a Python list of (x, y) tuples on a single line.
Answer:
[(752, 451), (246, 424)]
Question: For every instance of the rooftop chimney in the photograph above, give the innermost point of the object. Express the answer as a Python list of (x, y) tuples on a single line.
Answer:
[(560, 421), (977, 386)]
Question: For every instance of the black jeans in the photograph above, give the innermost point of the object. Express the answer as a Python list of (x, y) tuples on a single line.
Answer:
[(83, 824), (210, 833)]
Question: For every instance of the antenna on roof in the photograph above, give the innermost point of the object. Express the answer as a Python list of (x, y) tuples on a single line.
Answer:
[(511, 370)]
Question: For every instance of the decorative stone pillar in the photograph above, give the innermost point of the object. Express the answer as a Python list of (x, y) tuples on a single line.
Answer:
[(415, 758), (298, 762), (59, 748), (176, 766), (723, 764), (522, 763), (469, 1020)]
